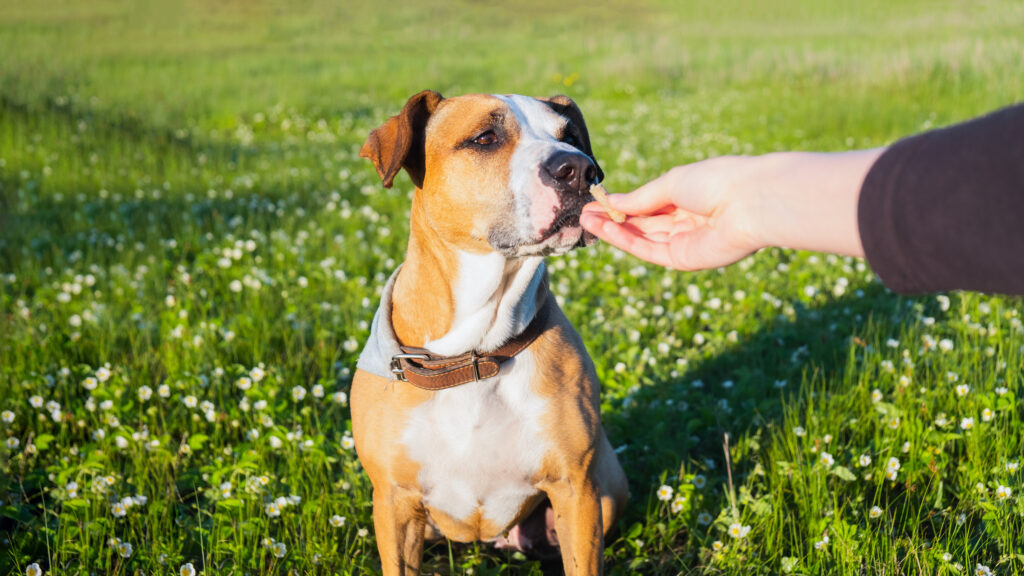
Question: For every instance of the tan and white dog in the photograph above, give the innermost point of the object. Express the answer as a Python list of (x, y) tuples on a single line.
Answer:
[(479, 452)]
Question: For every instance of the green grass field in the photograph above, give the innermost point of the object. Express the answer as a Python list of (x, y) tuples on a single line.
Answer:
[(191, 251)]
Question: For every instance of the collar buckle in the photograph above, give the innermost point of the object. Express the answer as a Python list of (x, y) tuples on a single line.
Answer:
[(396, 364)]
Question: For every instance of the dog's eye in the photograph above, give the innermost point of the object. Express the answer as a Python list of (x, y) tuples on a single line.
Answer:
[(571, 140), (488, 138)]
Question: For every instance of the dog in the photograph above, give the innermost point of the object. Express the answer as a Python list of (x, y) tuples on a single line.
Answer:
[(475, 406)]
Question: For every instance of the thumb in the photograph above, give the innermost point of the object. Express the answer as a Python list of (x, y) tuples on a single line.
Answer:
[(648, 198)]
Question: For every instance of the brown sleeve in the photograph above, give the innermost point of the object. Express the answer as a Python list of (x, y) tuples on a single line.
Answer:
[(944, 210)]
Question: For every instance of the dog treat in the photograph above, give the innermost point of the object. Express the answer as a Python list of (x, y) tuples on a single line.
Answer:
[(601, 195)]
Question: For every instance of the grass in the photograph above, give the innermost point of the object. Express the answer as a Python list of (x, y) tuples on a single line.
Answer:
[(191, 251)]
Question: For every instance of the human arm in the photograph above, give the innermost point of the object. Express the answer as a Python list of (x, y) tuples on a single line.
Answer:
[(942, 210)]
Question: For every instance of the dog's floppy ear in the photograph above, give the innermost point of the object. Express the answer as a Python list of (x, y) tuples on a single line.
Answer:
[(566, 107), (398, 143)]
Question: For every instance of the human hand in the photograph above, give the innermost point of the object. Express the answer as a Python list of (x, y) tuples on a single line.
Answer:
[(692, 217), (714, 212)]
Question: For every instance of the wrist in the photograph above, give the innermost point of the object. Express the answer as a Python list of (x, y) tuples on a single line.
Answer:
[(808, 200)]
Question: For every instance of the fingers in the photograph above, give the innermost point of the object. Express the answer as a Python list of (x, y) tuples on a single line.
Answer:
[(648, 198), (626, 237)]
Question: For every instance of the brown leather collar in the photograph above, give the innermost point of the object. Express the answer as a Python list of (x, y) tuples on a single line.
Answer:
[(419, 367)]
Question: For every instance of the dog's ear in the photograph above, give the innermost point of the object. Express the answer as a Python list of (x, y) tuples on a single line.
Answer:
[(398, 143), (566, 107)]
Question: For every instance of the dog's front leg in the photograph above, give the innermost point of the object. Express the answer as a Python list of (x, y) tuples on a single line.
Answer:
[(577, 507), (399, 521)]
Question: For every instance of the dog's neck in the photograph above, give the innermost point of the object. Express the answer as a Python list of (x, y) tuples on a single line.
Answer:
[(451, 301)]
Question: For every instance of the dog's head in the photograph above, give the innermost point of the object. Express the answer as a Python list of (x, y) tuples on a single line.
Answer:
[(494, 173)]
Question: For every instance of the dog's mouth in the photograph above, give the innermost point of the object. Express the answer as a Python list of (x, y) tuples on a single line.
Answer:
[(568, 218)]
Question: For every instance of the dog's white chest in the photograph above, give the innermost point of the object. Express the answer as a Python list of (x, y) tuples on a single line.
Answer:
[(479, 444)]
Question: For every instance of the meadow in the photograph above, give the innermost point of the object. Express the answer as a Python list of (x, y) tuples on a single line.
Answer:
[(191, 252)]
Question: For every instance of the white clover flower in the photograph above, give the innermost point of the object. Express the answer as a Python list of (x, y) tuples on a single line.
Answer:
[(893, 423), (124, 549), (1002, 390), (190, 401), (966, 423), (103, 374), (267, 421), (962, 390), (875, 512), (340, 398), (145, 393), (704, 519), (1003, 492), (260, 405), (72, 489), (33, 570), (243, 383), (164, 391), (947, 557), (906, 447), (347, 442), (235, 286), (876, 395), (826, 459), (298, 393), (121, 442), (337, 521), (257, 374), (363, 533), (36, 401), (279, 549), (678, 503), (821, 544), (699, 481), (273, 510), (987, 415), (905, 380), (318, 391), (717, 545), (799, 431), (737, 530), (864, 461), (945, 344), (1012, 466), (665, 493), (982, 570), (981, 488), (892, 463), (12, 443), (187, 570), (8, 416), (275, 442)]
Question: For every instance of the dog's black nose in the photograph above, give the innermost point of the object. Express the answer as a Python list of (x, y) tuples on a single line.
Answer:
[(569, 171)]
